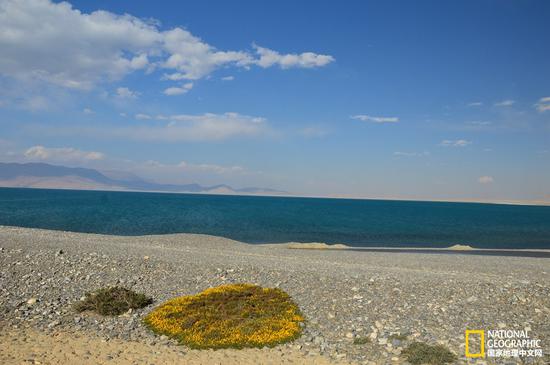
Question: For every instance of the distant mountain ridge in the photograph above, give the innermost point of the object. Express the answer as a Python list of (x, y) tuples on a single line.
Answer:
[(43, 175)]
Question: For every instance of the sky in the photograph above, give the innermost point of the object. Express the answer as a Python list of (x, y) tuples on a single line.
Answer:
[(375, 99)]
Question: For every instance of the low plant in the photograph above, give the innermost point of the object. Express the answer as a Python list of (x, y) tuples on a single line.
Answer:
[(229, 316), (397, 336), (112, 301), (361, 340), (421, 353)]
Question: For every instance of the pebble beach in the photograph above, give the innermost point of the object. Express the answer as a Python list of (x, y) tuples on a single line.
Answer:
[(360, 307)]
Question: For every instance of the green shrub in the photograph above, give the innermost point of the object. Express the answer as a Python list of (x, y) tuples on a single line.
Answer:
[(112, 301), (420, 353), (361, 340)]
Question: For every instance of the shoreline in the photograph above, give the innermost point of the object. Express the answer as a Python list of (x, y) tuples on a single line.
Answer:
[(344, 294), (533, 203), (453, 250)]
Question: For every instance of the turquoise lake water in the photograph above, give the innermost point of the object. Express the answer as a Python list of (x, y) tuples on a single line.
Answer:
[(280, 219)]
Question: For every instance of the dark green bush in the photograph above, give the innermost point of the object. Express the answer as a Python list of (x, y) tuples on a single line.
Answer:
[(112, 301), (420, 353)]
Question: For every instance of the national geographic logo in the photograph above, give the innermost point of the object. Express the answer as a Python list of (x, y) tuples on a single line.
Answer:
[(501, 343)]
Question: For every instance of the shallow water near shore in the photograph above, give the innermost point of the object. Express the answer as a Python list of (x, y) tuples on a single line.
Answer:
[(252, 219)]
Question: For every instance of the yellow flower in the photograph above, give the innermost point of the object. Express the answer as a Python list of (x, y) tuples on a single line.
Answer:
[(238, 315)]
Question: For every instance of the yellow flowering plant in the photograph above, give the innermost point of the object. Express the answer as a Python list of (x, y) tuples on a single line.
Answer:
[(229, 316)]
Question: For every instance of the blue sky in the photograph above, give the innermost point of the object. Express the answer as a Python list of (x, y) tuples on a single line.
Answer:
[(390, 99)]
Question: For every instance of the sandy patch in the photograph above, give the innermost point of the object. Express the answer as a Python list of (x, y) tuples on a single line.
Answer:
[(30, 346), (460, 248), (313, 246)]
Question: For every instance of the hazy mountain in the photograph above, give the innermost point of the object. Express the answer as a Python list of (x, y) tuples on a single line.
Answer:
[(42, 175)]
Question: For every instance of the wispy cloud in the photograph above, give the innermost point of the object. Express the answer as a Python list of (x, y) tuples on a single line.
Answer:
[(142, 116), (486, 180), (368, 118), (201, 167), (455, 143), (126, 93), (178, 127), (479, 123), (543, 104), (475, 103), (228, 78), (63, 154), (87, 111), (179, 90), (411, 154), (313, 132), (508, 102)]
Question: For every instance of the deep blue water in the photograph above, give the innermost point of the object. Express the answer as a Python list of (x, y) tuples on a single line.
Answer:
[(278, 219)]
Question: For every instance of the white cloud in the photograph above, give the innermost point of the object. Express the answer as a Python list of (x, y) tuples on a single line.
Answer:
[(179, 90), (181, 172), (87, 111), (57, 44), (455, 143), (228, 78), (543, 104), (475, 103), (367, 118), (505, 103), (142, 116), (269, 57), (125, 93), (64, 154), (486, 180)]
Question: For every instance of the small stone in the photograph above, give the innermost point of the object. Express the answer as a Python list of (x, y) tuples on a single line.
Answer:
[(349, 335), (32, 301), (471, 299), (146, 257)]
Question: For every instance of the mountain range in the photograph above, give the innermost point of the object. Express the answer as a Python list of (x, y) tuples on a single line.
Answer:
[(42, 175)]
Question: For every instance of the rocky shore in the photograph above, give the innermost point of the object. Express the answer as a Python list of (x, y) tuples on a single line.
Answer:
[(361, 307)]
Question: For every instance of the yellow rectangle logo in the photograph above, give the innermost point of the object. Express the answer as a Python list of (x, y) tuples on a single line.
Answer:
[(481, 334)]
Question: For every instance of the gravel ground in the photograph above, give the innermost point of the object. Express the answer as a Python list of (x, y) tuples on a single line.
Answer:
[(344, 295)]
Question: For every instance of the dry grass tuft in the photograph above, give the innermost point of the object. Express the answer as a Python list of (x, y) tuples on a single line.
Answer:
[(229, 316), (112, 301)]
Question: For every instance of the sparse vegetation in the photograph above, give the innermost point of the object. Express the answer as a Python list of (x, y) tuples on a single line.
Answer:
[(112, 301), (418, 353), (229, 316), (397, 336), (361, 340)]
